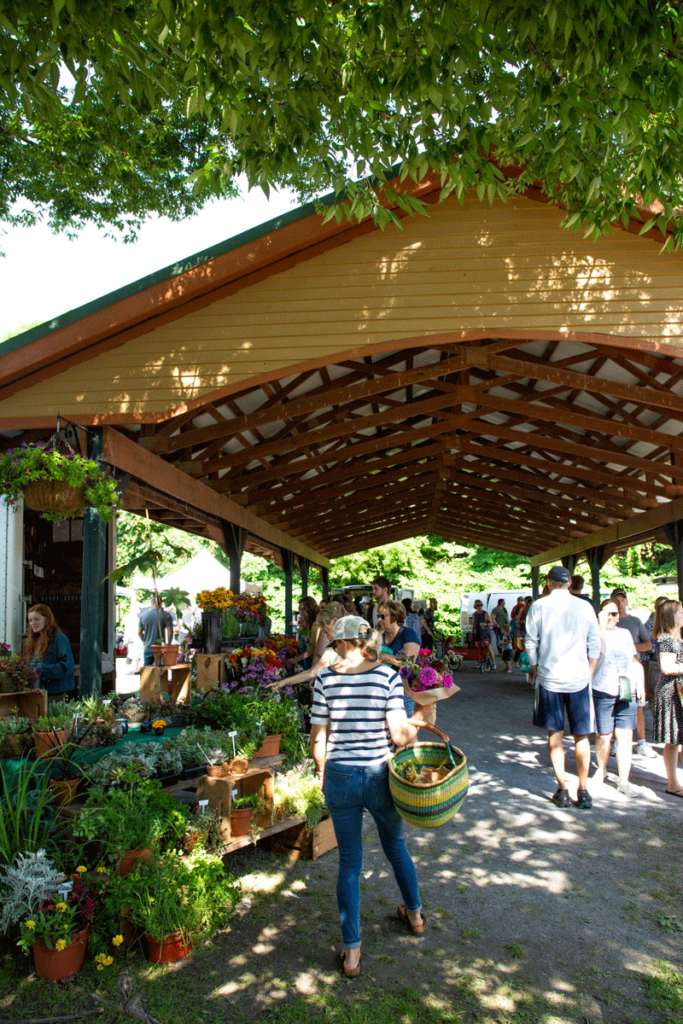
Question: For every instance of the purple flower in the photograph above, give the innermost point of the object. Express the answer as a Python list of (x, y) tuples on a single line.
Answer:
[(428, 677), (404, 672), (447, 681)]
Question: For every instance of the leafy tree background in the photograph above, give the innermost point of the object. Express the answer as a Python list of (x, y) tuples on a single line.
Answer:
[(432, 566)]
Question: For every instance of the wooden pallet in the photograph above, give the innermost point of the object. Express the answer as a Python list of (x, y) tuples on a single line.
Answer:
[(297, 842)]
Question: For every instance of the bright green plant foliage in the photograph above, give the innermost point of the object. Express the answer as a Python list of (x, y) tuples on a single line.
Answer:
[(32, 462), (169, 100)]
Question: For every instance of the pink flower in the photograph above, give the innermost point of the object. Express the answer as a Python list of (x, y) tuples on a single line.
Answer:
[(428, 677), (447, 681)]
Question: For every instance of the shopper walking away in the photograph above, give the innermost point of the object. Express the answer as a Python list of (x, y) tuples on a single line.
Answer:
[(155, 626), (563, 644), (357, 714)]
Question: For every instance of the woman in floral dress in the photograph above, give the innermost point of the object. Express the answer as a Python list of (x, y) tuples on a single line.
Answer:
[(668, 716)]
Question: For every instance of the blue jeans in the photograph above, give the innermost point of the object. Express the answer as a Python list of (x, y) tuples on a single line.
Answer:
[(348, 791), (148, 658)]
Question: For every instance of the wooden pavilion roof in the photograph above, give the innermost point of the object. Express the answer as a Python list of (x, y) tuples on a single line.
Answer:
[(521, 438)]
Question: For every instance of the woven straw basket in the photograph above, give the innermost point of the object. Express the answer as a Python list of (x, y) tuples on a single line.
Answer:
[(434, 804)]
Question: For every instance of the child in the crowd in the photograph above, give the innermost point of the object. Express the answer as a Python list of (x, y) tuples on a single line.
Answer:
[(506, 646)]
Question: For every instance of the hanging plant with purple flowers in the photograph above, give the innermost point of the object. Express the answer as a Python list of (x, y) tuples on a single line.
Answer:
[(89, 481)]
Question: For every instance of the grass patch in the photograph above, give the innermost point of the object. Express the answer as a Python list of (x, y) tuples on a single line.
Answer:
[(470, 933), (664, 990), (516, 951), (670, 924)]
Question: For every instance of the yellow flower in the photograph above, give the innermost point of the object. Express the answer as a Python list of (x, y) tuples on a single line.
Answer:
[(60, 908), (31, 925), (108, 961), (101, 871), (159, 724), (100, 967), (117, 940), (60, 944), (81, 870)]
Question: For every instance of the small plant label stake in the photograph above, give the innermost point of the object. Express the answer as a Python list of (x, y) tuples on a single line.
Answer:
[(232, 737)]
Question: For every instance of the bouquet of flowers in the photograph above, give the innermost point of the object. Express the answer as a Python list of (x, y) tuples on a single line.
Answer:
[(426, 678), (218, 600)]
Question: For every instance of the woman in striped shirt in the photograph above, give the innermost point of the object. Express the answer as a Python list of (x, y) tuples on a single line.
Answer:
[(357, 714)]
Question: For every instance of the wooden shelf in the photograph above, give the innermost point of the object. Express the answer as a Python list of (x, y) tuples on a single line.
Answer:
[(28, 704), (175, 679)]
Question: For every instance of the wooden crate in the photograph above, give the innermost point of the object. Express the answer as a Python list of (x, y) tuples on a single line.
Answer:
[(210, 670), (301, 843), (219, 794), (26, 704), (173, 679)]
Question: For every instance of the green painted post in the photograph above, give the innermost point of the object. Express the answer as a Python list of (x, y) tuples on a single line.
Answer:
[(287, 565), (92, 589)]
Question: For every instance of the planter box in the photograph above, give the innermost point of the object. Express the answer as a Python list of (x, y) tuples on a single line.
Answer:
[(301, 843), (173, 679), (210, 671), (26, 703), (219, 794)]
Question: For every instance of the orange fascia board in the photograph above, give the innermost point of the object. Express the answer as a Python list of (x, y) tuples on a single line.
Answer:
[(174, 296), (129, 457)]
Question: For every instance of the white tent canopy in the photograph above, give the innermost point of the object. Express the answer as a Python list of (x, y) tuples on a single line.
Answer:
[(203, 572)]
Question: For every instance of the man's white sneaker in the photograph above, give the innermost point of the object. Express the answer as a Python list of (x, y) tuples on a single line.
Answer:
[(643, 749), (627, 789)]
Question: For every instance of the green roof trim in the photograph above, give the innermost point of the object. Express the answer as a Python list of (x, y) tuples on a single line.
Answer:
[(173, 270)]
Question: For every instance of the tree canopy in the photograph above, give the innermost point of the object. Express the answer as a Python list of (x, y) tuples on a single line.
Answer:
[(110, 110)]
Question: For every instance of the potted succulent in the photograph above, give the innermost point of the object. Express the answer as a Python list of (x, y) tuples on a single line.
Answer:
[(15, 674), (16, 736), (52, 730), (58, 484), (177, 901), (169, 766)]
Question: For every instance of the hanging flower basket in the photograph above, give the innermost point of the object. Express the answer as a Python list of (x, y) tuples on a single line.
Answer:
[(58, 484), (56, 497)]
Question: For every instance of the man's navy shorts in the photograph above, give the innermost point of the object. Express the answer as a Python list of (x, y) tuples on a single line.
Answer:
[(550, 709), (612, 713)]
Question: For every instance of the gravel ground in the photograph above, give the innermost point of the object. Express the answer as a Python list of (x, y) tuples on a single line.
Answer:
[(534, 913)]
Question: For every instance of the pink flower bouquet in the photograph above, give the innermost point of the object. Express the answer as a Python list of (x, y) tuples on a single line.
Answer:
[(426, 678)]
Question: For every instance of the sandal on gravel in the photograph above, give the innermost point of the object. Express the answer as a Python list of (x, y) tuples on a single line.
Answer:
[(675, 792), (416, 929), (350, 972)]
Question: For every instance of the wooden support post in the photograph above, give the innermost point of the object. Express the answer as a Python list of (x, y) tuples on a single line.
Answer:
[(92, 589), (569, 562), (595, 558), (235, 540), (325, 578), (535, 589), (303, 569), (674, 533), (287, 565)]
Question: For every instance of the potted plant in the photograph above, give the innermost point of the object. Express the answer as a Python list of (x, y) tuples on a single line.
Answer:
[(203, 828), (58, 484), (297, 794), (16, 736), (169, 766), (58, 932), (52, 731), (128, 824), (15, 674), (243, 810), (177, 901), (280, 719)]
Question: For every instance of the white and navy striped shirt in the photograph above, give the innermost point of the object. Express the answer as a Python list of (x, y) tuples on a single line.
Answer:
[(355, 707)]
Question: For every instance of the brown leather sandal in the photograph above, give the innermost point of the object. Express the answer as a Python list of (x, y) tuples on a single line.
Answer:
[(416, 929), (350, 972)]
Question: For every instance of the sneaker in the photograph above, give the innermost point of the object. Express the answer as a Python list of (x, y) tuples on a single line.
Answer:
[(627, 789), (561, 798), (583, 799), (643, 749)]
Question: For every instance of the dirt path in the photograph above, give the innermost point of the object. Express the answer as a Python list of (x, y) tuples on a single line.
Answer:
[(535, 913)]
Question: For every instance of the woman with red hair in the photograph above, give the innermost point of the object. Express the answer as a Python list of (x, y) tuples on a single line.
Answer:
[(48, 651)]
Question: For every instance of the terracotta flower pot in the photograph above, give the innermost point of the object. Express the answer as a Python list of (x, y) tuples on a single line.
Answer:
[(48, 743), (270, 746), (168, 950), (169, 654), (240, 821), (64, 790), (127, 861), (190, 842), (55, 965), (217, 771)]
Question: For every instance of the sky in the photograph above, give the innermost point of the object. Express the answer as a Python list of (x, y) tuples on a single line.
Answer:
[(43, 274)]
